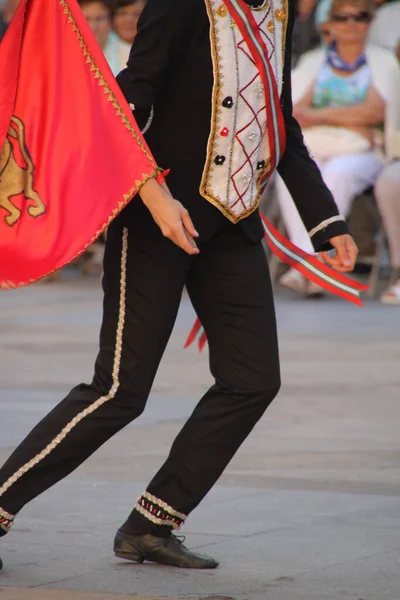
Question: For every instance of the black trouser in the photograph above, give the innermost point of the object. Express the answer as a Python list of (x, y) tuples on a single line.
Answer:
[(144, 275)]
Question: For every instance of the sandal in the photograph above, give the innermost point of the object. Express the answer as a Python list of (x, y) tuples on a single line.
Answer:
[(294, 280), (392, 294), (313, 290)]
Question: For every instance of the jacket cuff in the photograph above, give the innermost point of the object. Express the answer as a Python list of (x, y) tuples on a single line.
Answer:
[(326, 230)]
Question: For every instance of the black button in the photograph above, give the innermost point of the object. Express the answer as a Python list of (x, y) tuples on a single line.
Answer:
[(261, 165), (219, 160), (228, 102)]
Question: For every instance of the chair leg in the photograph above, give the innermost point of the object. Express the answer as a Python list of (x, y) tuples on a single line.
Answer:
[(373, 279)]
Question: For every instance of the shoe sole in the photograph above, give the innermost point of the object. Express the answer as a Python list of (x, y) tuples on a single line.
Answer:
[(315, 294), (130, 556), (139, 559), (390, 301), (293, 287)]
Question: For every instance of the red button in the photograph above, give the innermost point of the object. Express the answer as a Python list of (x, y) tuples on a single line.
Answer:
[(225, 132)]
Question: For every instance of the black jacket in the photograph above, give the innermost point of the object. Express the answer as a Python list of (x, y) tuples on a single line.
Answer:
[(170, 67)]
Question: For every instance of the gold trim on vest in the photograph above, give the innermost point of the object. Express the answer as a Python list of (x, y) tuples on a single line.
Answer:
[(238, 153)]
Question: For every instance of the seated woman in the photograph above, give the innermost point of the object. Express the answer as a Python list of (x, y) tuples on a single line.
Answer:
[(343, 95), (387, 193)]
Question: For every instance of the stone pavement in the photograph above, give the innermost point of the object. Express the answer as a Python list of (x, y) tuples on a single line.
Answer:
[(43, 594), (309, 508)]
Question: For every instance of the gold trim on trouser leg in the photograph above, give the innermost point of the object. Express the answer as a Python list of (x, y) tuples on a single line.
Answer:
[(6, 520), (93, 407), (159, 512), (164, 505)]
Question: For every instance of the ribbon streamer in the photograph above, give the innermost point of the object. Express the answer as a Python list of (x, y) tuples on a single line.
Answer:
[(307, 264)]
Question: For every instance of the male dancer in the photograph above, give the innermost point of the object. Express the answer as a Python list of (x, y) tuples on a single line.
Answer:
[(193, 63)]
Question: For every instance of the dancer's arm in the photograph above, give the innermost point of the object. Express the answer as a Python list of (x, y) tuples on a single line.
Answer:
[(301, 175), (172, 218), (162, 29)]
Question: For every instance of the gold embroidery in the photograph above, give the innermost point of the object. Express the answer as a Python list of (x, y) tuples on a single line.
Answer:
[(154, 519), (6, 515), (285, 9), (16, 180), (280, 14), (102, 82), (325, 224), (93, 407), (6, 520), (164, 505), (271, 26), (222, 11), (8, 285), (216, 101), (5, 525), (215, 128)]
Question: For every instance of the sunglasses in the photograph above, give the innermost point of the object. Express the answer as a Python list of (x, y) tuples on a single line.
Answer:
[(361, 17)]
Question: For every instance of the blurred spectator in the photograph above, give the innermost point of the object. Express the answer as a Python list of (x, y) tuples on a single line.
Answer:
[(324, 8), (102, 15), (305, 36), (7, 10), (3, 27), (387, 193), (126, 18), (305, 8), (322, 13), (385, 30), (99, 14), (3, 24), (123, 15), (342, 94)]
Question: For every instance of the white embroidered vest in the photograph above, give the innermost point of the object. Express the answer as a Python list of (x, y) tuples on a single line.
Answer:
[(238, 157)]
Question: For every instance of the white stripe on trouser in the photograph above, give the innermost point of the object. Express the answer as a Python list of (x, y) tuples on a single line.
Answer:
[(93, 407)]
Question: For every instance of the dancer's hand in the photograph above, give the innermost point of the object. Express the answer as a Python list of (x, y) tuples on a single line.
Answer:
[(172, 218), (345, 256)]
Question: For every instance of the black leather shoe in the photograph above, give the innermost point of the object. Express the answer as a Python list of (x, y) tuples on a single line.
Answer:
[(163, 550)]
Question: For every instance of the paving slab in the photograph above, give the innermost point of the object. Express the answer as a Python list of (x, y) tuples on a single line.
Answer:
[(308, 509), (43, 594)]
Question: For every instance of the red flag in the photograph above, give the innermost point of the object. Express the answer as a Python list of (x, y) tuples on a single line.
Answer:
[(71, 153)]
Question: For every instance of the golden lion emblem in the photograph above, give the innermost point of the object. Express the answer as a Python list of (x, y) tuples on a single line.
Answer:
[(16, 180)]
